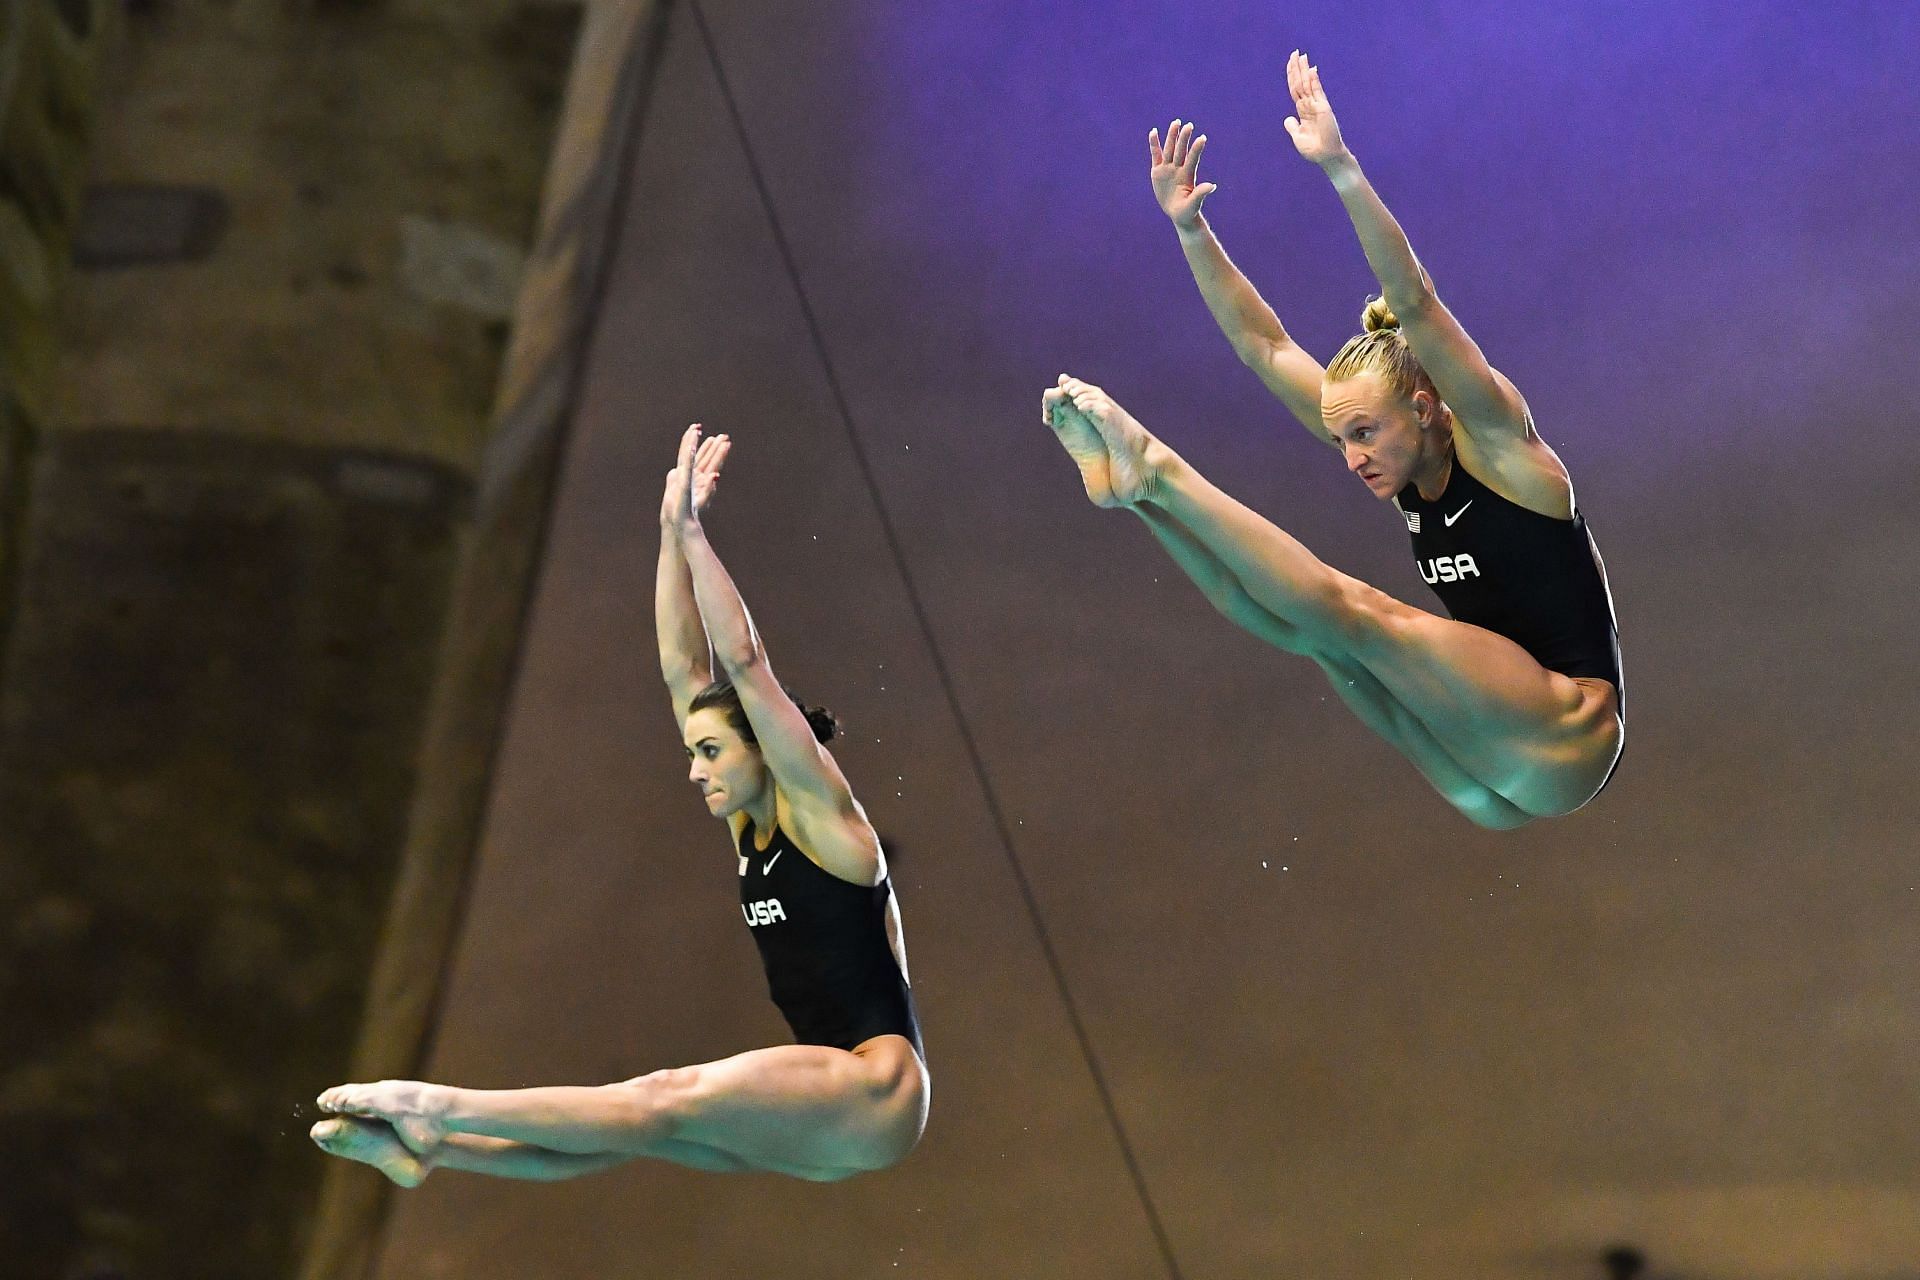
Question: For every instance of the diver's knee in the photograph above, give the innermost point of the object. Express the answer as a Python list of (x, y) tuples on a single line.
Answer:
[(666, 1099), (1488, 809), (1368, 620), (829, 1175)]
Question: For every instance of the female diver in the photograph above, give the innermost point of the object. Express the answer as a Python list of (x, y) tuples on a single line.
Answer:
[(1512, 708), (851, 1095)]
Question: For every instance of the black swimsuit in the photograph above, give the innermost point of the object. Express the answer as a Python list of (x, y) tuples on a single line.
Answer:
[(824, 943), (1536, 580)]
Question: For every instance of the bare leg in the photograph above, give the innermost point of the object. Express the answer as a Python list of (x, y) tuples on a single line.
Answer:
[(1357, 687), (504, 1158), (804, 1110), (1541, 740), (1217, 583), (495, 1157), (374, 1142), (1381, 712)]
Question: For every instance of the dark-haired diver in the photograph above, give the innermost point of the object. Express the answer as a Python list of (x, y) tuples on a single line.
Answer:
[(1512, 708), (851, 1096)]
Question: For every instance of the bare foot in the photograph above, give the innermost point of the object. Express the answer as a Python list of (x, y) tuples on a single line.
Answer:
[(1131, 448), (1082, 442), (415, 1110), (371, 1142)]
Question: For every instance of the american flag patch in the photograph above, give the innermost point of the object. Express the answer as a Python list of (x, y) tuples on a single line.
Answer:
[(1413, 521)]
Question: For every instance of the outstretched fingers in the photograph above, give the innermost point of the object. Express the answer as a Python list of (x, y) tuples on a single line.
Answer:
[(1179, 142), (706, 470), (1300, 83), (1315, 132), (712, 456), (682, 510), (1298, 79), (1303, 84)]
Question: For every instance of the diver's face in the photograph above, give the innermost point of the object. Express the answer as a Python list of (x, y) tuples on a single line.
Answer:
[(1377, 431), (728, 771)]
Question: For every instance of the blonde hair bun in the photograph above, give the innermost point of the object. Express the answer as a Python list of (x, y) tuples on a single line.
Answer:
[(1378, 315)]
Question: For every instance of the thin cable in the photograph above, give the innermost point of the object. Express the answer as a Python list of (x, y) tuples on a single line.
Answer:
[(974, 757)]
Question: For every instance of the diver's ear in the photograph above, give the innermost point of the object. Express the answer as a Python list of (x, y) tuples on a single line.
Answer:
[(1423, 408)]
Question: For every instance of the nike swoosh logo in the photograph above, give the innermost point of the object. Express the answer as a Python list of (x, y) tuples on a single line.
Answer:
[(1456, 515), (768, 869)]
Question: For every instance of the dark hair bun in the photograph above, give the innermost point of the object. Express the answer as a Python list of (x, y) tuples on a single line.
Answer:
[(822, 721), (1378, 315)]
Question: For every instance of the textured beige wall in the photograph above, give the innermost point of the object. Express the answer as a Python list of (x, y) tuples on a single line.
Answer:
[(231, 539)]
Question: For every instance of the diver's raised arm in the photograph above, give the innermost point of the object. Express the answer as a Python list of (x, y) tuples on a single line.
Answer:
[(686, 660), (1483, 400), (1249, 323), (801, 766)]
